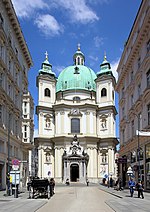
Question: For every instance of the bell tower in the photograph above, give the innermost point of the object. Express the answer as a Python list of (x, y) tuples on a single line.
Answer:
[(105, 99), (46, 83)]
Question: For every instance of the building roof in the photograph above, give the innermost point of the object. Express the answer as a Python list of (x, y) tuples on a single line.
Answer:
[(46, 67), (105, 67), (76, 77)]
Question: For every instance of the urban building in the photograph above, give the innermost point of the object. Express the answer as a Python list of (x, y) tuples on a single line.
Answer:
[(15, 61), (76, 122), (133, 87)]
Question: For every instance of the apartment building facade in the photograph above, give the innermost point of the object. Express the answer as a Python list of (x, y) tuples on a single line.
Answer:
[(133, 87), (15, 61)]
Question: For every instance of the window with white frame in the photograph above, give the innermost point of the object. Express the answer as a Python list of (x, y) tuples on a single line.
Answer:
[(75, 125), (0, 113), (1, 79), (123, 112), (140, 121), (103, 92), (47, 92), (132, 128), (132, 76), (25, 131), (148, 79), (1, 19), (132, 100), (1, 51), (148, 113), (25, 107), (123, 136), (139, 89), (139, 62), (148, 45), (122, 92)]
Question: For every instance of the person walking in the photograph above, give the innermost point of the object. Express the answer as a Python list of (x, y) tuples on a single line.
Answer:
[(131, 185), (140, 189), (87, 182)]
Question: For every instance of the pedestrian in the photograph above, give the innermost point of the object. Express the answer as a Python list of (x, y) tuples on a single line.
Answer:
[(140, 189), (67, 182), (120, 184), (87, 182), (111, 182), (52, 186), (131, 185)]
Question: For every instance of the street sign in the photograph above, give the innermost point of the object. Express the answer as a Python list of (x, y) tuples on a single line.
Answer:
[(15, 167), (121, 160), (15, 162)]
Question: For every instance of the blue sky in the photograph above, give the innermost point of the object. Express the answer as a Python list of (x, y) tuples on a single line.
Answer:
[(57, 26)]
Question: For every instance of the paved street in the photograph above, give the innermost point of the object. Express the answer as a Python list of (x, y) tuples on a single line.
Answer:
[(78, 198)]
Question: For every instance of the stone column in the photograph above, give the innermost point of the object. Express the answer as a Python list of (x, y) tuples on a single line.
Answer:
[(58, 164)]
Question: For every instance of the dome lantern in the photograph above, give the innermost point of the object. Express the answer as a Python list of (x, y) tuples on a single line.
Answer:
[(78, 57)]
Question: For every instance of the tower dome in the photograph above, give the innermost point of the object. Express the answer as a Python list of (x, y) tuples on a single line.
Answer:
[(77, 76), (105, 67), (46, 67)]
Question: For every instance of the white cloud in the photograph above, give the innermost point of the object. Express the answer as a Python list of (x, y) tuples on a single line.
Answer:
[(35, 133), (58, 69), (25, 8), (98, 41), (48, 25), (114, 66), (93, 58), (78, 10)]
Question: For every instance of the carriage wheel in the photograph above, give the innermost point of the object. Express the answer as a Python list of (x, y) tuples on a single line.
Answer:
[(48, 192)]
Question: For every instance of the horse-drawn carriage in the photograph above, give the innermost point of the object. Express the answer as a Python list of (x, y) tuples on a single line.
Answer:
[(40, 187)]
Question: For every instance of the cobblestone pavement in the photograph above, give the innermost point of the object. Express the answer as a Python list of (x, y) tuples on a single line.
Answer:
[(125, 202), (80, 198)]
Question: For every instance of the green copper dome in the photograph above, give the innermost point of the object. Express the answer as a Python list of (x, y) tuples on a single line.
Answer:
[(76, 77)]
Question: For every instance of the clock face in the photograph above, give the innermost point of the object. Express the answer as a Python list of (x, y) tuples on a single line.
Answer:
[(75, 111)]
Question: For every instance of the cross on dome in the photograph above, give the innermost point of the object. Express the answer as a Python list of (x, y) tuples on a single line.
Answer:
[(46, 54), (79, 46), (105, 58)]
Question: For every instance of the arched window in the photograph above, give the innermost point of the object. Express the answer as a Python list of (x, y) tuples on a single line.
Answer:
[(47, 92), (103, 92), (76, 99), (75, 125), (78, 60)]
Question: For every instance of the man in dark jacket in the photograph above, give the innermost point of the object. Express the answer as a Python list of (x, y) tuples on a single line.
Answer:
[(140, 189)]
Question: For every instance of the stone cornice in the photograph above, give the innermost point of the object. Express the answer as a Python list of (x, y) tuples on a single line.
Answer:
[(17, 29)]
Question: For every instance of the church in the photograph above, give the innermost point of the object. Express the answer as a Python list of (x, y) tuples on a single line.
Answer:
[(76, 122)]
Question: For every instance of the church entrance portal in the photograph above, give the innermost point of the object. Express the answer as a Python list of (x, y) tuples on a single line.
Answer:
[(74, 172)]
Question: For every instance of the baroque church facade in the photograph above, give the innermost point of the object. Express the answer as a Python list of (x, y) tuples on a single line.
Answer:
[(76, 122)]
